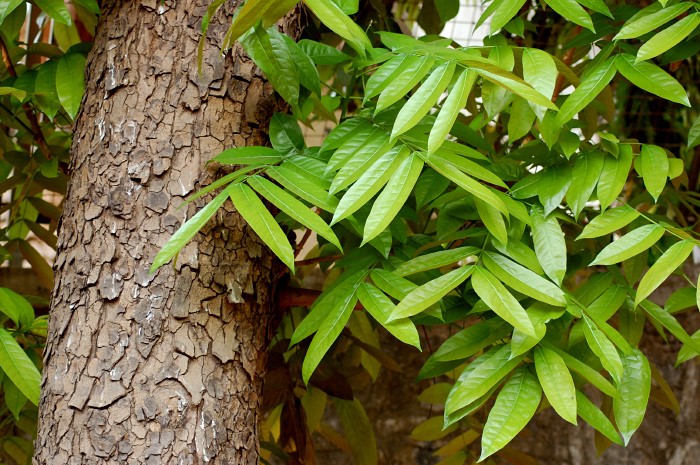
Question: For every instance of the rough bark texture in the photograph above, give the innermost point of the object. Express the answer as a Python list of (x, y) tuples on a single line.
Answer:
[(161, 368)]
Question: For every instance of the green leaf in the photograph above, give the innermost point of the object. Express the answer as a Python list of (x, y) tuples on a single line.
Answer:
[(540, 71), (18, 367), (654, 169), (629, 245), (634, 388), (557, 383), (337, 21), (423, 99), (187, 231), (360, 161), (394, 285), (501, 301), (510, 82), (14, 399), (694, 134), (271, 55), (306, 69), (636, 27), (589, 88), (393, 197), (467, 166), (70, 82), (474, 383), (19, 94), (609, 222), (669, 37), (359, 431), (45, 89), (323, 54), (435, 260), (572, 11), (592, 415), (649, 77), (293, 207), (263, 223), (550, 246), (492, 219), (370, 182), (245, 18), (56, 9), (330, 328), (661, 317), (305, 187), (472, 339), (666, 264), (381, 307), (503, 12), (603, 349), (366, 141), (7, 7), (16, 307), (605, 306), (465, 182), (249, 156), (521, 119), (338, 294), (591, 375), (453, 104), (285, 134), (402, 84), (523, 280), (515, 405), (614, 176), (585, 174), (431, 292)]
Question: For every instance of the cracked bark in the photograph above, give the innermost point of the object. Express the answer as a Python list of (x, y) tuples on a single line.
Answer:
[(166, 367)]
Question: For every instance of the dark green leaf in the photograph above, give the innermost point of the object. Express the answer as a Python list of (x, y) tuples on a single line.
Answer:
[(629, 245), (634, 387), (70, 82), (18, 367)]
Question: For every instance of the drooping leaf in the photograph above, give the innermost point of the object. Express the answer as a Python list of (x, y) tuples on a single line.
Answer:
[(423, 99), (18, 367), (360, 161), (293, 207), (16, 307), (393, 197), (550, 246), (614, 175), (572, 11), (70, 82), (492, 219), (7, 7), (56, 9), (381, 307), (585, 174), (501, 301), (634, 387), (591, 375), (515, 405), (472, 339), (431, 292), (503, 11), (187, 231), (474, 383), (539, 70), (603, 349), (629, 245), (358, 431), (14, 399), (453, 104), (333, 17), (305, 187), (592, 415), (401, 85), (654, 169), (323, 54), (651, 78), (589, 88), (557, 383), (262, 222)]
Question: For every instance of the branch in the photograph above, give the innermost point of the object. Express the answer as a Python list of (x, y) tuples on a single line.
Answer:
[(288, 297), (28, 111)]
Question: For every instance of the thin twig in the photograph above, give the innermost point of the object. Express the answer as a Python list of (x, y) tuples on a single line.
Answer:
[(313, 261)]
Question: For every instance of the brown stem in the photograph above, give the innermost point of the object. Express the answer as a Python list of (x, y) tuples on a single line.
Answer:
[(302, 243), (296, 297), (566, 59), (28, 111)]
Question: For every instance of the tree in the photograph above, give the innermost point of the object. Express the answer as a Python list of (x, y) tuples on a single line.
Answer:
[(486, 190)]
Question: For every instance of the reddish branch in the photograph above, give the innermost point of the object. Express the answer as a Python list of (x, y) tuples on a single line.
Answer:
[(28, 111), (295, 297)]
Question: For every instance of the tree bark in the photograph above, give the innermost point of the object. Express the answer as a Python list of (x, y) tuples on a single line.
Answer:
[(162, 368)]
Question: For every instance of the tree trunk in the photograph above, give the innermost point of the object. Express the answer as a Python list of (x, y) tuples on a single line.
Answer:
[(165, 367)]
